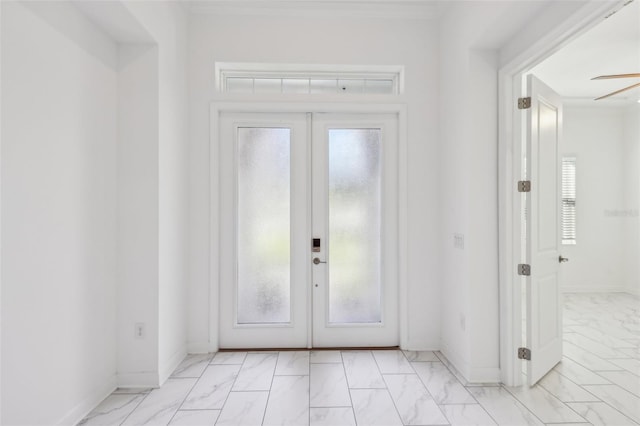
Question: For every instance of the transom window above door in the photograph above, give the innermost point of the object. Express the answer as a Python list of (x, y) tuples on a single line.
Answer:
[(249, 78)]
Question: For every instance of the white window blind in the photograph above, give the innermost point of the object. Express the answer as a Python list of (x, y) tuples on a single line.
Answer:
[(568, 200)]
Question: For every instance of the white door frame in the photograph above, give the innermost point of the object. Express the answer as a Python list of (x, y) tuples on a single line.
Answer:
[(302, 107), (510, 87)]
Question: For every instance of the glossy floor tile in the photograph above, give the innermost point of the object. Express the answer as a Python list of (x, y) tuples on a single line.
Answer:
[(195, 417), (212, 389), (192, 366), (113, 410), (467, 415), (597, 383), (288, 401), (256, 373), (362, 370), (328, 386), (332, 416), (374, 407), (293, 363), (412, 400), (160, 405)]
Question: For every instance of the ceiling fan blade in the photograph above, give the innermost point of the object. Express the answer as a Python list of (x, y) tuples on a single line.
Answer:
[(606, 77), (618, 91)]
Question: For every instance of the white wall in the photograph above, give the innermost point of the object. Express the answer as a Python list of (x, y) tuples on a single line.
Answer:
[(330, 40), (595, 135), (476, 39), (58, 209), (137, 249), (166, 22), (94, 203), (468, 195), (631, 184)]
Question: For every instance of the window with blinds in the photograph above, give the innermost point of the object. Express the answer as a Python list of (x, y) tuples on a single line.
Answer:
[(568, 200)]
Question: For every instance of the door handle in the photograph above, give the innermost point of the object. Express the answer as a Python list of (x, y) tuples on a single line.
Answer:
[(317, 261), (562, 259)]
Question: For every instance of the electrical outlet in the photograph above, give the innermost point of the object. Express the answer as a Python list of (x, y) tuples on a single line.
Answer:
[(139, 331), (458, 241)]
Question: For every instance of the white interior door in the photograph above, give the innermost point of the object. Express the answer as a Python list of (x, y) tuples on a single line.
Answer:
[(292, 192), (544, 300), (264, 231), (355, 217)]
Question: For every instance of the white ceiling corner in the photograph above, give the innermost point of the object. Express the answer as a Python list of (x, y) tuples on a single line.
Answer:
[(114, 19)]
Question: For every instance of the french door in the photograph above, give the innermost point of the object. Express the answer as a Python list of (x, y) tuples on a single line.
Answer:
[(309, 225)]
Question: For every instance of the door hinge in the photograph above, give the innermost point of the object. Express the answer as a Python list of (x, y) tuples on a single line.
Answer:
[(524, 269), (524, 353), (524, 103), (524, 186)]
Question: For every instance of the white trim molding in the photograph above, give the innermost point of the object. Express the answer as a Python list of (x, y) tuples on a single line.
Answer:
[(173, 363), (90, 402), (201, 348), (594, 289), (413, 9), (139, 380)]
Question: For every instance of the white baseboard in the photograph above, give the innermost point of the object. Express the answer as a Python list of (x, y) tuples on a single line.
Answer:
[(455, 361), (484, 375), (594, 289), (419, 348), (420, 345), (174, 361), (139, 380), (201, 348), (466, 374), (90, 402)]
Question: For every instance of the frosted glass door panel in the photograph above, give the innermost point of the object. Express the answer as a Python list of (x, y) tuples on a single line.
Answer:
[(264, 226), (354, 226)]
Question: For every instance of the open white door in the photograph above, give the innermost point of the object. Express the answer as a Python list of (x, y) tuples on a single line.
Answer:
[(544, 300)]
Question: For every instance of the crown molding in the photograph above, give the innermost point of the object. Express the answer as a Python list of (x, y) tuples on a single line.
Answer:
[(395, 9)]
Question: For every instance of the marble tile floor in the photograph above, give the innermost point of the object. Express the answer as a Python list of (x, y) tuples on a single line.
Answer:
[(597, 383)]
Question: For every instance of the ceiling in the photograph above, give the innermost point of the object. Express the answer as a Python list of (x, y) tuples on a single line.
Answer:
[(611, 47)]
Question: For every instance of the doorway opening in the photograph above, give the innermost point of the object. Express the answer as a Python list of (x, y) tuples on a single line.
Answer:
[(514, 321)]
